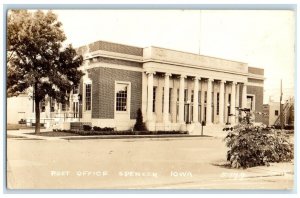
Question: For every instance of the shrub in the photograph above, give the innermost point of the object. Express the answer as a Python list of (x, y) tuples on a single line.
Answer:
[(86, 127), (139, 125), (256, 145)]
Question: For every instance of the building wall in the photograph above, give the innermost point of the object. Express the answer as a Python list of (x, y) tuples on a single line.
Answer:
[(259, 94), (18, 108), (273, 106), (103, 90)]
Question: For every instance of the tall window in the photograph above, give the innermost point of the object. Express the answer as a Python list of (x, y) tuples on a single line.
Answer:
[(43, 105), (218, 102), (177, 95), (163, 99), (121, 97), (185, 95), (154, 99), (205, 96), (229, 103), (192, 96), (52, 105), (88, 95), (250, 101), (64, 106), (170, 94), (75, 90)]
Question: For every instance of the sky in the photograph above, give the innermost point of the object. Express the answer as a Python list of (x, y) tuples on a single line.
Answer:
[(263, 39)]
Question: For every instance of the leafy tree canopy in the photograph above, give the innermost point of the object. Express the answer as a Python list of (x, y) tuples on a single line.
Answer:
[(36, 57)]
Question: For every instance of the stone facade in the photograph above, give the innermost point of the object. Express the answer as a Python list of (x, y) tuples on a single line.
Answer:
[(175, 90)]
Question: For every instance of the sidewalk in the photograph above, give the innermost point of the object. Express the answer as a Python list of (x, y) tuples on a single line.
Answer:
[(23, 134)]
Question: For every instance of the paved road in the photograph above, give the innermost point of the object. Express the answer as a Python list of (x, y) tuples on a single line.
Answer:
[(171, 163)]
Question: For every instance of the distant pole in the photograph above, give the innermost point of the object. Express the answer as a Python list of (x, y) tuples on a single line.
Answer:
[(281, 109), (200, 32)]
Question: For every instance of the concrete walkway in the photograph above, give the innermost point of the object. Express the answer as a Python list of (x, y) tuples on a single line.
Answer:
[(24, 133)]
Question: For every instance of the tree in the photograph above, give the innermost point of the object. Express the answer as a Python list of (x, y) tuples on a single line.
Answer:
[(37, 60), (139, 125)]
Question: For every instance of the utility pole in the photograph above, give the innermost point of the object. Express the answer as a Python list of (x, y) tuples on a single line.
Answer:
[(281, 109)]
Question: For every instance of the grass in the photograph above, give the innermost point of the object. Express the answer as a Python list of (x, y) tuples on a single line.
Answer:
[(55, 134), (13, 126)]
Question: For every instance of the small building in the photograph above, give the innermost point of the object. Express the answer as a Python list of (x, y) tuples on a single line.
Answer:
[(174, 89), (272, 113)]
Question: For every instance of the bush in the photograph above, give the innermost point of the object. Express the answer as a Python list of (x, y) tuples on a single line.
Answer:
[(139, 125), (95, 128), (87, 127), (256, 145)]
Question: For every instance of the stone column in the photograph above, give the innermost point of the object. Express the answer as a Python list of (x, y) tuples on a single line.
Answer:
[(232, 105), (244, 96), (166, 98), (237, 102), (208, 102), (150, 96), (195, 105), (181, 99), (221, 102)]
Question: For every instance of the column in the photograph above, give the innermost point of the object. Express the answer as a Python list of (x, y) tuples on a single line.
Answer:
[(150, 96), (181, 100), (208, 102), (195, 105), (221, 102), (166, 98), (244, 96), (232, 105), (237, 102)]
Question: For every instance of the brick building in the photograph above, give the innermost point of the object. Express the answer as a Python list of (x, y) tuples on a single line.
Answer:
[(175, 90)]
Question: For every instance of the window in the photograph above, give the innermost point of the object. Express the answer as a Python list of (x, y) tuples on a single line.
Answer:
[(250, 102), (199, 97), (121, 97), (64, 106), (192, 96), (185, 95), (88, 95), (170, 94), (218, 103), (75, 90), (276, 112), (177, 95), (163, 99), (43, 105), (154, 99), (205, 96), (229, 103), (52, 105)]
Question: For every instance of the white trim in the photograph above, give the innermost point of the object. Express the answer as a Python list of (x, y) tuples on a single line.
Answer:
[(255, 84), (113, 66), (107, 54), (254, 98), (256, 76), (128, 98)]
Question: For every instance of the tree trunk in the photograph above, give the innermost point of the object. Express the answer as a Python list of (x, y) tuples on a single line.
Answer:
[(37, 111), (37, 117)]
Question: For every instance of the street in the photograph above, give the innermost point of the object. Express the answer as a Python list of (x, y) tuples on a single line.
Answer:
[(146, 163)]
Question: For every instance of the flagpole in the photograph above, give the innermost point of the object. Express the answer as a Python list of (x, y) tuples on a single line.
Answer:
[(281, 109)]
